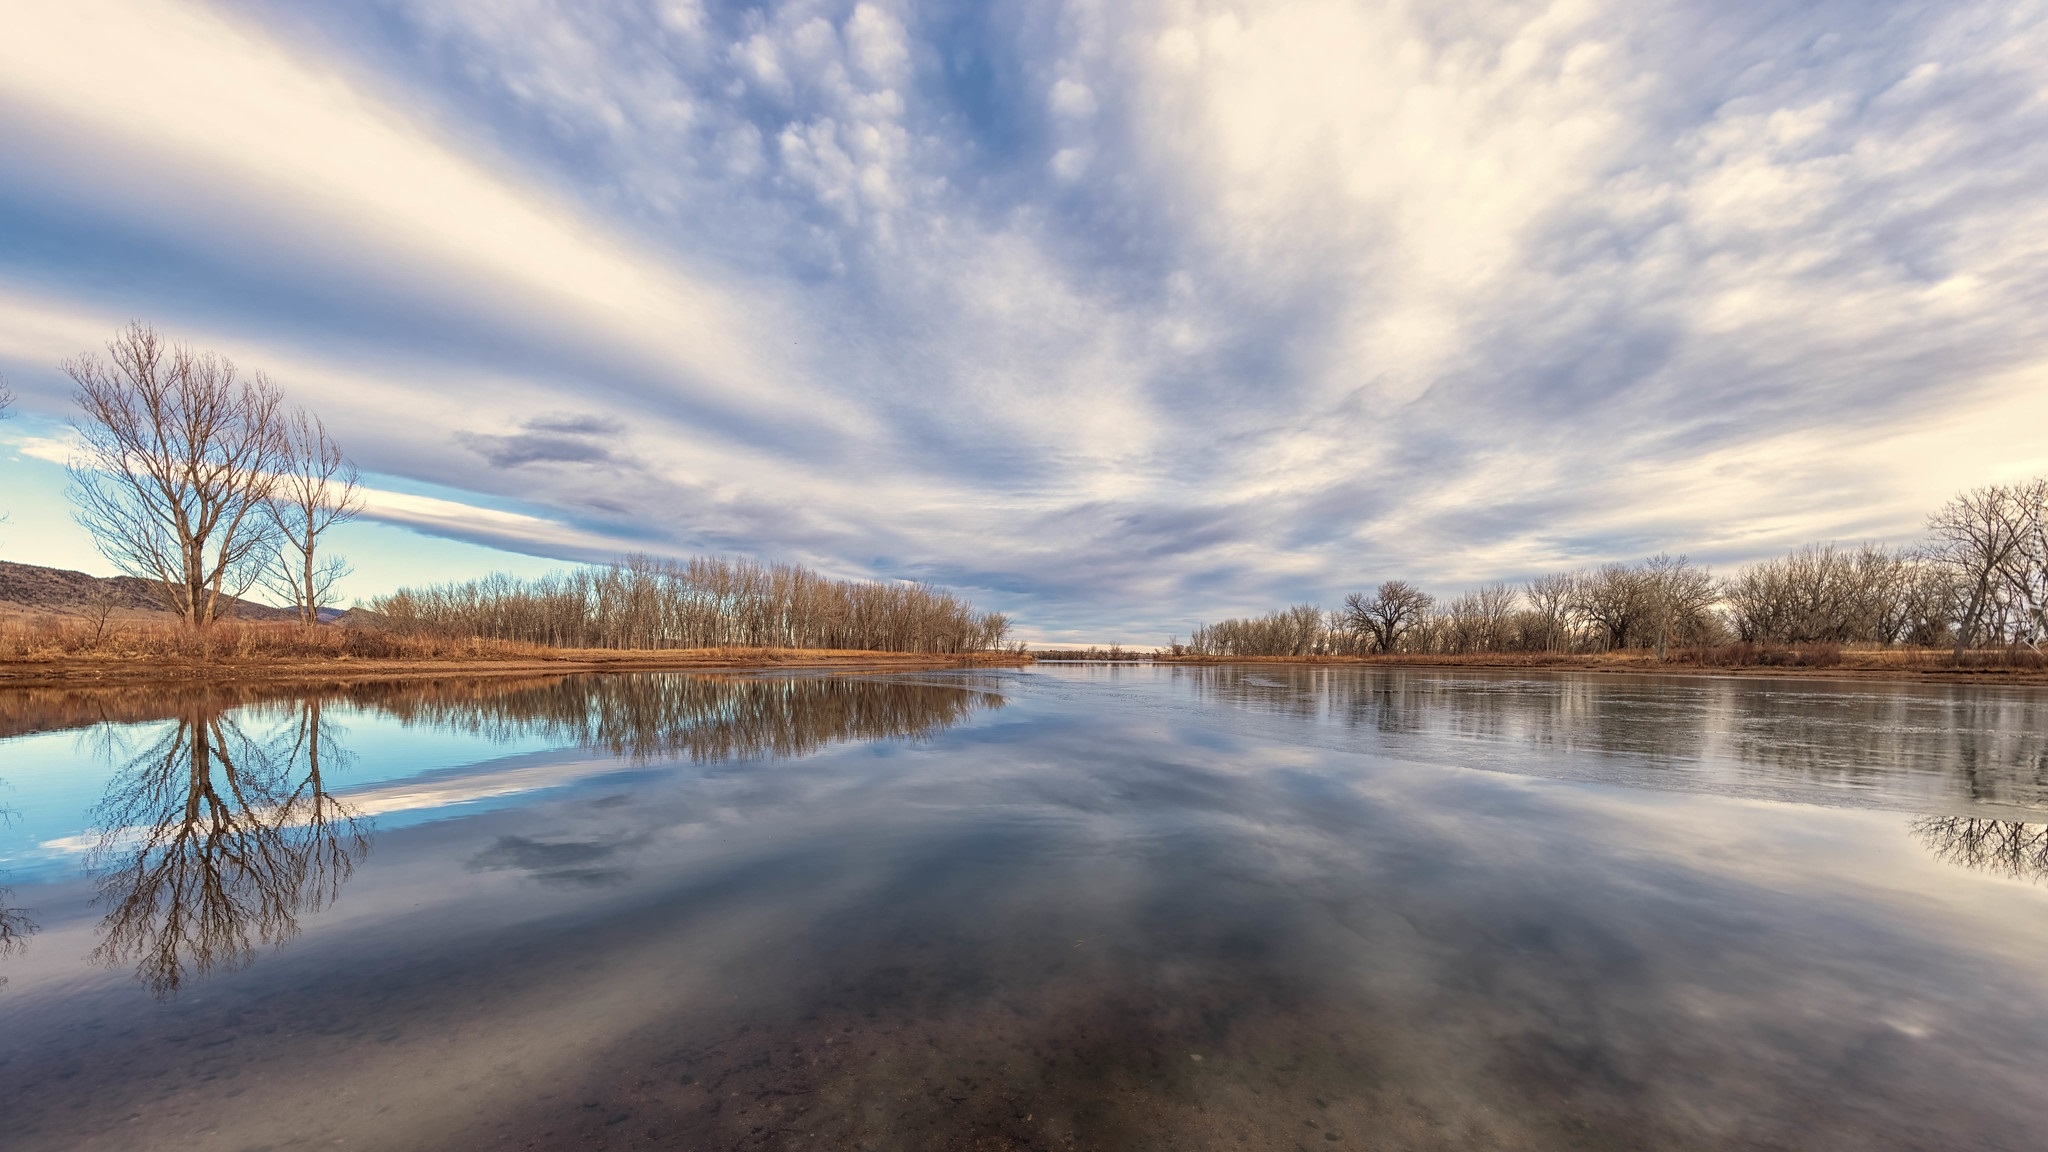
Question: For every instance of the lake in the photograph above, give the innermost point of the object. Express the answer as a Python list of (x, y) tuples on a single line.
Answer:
[(1083, 906)]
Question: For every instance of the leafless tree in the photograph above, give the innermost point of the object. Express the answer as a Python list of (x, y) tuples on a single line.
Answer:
[(2026, 574), (180, 456), (1826, 594), (100, 601), (1392, 609), (316, 489), (1681, 597), (1301, 630), (1927, 605), (1550, 599), (1978, 537), (1461, 626), (1613, 599), (1493, 610), (706, 602), (1662, 600)]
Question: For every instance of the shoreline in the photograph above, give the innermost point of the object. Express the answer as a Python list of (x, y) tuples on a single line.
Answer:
[(1876, 666), (314, 671)]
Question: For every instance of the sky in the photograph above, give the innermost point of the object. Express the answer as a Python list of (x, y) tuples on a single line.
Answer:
[(1115, 317)]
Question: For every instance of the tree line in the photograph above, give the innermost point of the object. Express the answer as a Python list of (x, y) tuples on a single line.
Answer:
[(703, 602), (202, 481), (1979, 578)]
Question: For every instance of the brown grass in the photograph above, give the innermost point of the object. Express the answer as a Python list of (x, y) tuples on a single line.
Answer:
[(67, 650)]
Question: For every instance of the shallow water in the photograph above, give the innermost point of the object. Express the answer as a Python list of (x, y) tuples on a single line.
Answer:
[(1077, 906)]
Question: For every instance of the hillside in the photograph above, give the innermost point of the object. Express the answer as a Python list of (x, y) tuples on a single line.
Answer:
[(30, 589)]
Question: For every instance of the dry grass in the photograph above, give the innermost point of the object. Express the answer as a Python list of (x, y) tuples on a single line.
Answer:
[(69, 650), (61, 637)]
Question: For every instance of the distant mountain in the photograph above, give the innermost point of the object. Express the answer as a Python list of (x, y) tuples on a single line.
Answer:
[(32, 588)]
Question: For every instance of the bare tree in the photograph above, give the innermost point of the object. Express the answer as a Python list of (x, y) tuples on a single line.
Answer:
[(316, 489), (1977, 537), (1394, 608), (1494, 609), (2026, 573), (705, 602), (100, 601), (1612, 597), (179, 461), (1678, 596), (1824, 593), (1550, 599)]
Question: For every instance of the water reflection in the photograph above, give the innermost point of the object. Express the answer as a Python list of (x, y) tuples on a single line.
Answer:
[(2011, 848), (15, 925), (15, 929), (219, 834), (1906, 742), (213, 842), (1111, 921), (703, 718)]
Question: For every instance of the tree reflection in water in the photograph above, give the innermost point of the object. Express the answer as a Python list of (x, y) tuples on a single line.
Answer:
[(15, 929), (220, 834), (1903, 740), (15, 925), (214, 841), (2011, 848), (670, 716)]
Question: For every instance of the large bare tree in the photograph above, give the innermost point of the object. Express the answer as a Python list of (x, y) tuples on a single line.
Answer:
[(1979, 537), (1551, 600), (1679, 597), (1394, 608), (316, 489), (180, 457), (1613, 598), (2026, 574)]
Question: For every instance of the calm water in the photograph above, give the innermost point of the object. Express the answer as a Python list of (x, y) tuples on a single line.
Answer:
[(1080, 907)]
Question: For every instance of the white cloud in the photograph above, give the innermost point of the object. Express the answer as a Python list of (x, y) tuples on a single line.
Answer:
[(49, 449), (1072, 99), (879, 47)]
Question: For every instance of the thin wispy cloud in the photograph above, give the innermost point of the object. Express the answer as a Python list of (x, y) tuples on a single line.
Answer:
[(1114, 315)]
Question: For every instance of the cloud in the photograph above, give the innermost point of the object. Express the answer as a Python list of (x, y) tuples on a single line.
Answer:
[(49, 449), (549, 440), (1116, 315)]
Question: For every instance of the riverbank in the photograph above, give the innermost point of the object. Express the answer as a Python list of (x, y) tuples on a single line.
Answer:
[(1850, 664), (315, 670)]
